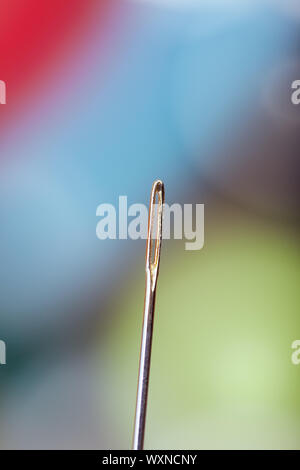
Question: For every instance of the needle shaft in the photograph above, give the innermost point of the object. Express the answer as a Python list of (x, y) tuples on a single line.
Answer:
[(152, 269)]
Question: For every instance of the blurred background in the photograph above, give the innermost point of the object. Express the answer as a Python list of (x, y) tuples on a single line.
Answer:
[(104, 96)]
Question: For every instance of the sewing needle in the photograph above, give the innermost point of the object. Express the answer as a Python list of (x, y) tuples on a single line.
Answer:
[(152, 268)]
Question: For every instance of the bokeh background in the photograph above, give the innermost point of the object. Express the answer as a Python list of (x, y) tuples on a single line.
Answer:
[(104, 96)]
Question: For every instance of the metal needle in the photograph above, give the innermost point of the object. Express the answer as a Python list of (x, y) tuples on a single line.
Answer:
[(152, 268)]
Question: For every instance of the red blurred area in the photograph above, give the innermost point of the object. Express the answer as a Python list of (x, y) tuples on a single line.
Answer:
[(35, 37)]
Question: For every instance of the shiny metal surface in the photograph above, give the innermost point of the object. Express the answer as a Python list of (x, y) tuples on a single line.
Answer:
[(152, 269)]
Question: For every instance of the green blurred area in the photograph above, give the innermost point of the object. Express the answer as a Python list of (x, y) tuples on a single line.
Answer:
[(226, 317)]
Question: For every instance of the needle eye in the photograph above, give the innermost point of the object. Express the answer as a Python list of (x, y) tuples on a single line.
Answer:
[(155, 227)]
